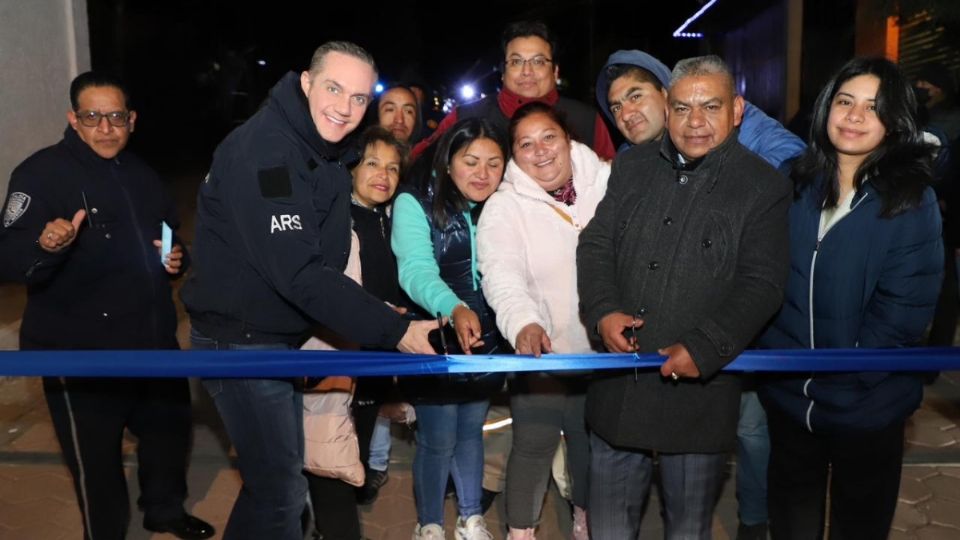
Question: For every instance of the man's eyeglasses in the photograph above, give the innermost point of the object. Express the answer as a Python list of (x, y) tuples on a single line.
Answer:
[(537, 62), (92, 118)]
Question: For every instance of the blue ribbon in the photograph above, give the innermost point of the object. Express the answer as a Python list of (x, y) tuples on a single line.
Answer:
[(294, 363)]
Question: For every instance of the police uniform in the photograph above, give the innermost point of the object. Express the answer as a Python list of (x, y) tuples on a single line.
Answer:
[(106, 290)]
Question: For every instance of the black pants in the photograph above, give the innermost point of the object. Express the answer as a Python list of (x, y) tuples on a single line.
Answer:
[(864, 478), (89, 416), (335, 501)]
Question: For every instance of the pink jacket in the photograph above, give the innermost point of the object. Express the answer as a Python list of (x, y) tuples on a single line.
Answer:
[(527, 252)]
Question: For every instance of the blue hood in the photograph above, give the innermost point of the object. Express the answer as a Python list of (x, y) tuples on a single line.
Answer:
[(634, 58)]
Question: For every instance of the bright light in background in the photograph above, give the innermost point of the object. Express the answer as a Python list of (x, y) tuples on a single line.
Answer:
[(679, 32), (378, 88), (261, 62), (467, 91)]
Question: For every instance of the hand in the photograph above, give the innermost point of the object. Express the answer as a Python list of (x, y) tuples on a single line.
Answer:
[(399, 310), (611, 329), (415, 339), (467, 326), (60, 233), (174, 260), (532, 339), (679, 363)]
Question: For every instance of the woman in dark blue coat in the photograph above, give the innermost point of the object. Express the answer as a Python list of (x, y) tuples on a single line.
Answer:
[(866, 258)]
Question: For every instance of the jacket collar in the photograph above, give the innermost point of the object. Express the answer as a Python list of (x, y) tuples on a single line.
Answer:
[(82, 150), (288, 100), (707, 167)]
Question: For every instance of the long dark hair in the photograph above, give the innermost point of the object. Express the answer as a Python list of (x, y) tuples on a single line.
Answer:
[(899, 168), (446, 196)]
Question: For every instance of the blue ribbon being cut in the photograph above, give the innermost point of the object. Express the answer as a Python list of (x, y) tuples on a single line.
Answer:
[(295, 363)]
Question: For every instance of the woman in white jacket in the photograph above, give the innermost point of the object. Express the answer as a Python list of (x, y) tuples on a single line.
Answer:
[(526, 251)]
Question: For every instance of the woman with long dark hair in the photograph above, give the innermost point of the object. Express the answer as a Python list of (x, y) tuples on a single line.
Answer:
[(866, 258), (434, 239)]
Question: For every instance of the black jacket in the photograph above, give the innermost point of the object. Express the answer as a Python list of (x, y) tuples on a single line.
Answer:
[(273, 235), (700, 252), (108, 289)]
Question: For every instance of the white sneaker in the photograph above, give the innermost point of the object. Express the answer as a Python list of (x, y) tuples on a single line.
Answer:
[(473, 528), (430, 531)]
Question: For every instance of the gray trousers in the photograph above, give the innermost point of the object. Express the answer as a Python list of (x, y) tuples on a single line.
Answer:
[(546, 406), (620, 483)]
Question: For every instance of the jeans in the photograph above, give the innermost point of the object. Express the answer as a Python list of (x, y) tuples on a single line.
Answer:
[(753, 453), (380, 445), (620, 480), (264, 418), (449, 442)]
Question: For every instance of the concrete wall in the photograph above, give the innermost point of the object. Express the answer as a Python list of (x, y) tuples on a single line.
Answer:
[(44, 44)]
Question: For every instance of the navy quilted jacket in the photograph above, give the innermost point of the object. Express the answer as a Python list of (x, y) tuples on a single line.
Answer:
[(870, 282)]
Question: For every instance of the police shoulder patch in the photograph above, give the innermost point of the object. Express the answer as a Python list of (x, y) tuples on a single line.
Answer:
[(17, 204)]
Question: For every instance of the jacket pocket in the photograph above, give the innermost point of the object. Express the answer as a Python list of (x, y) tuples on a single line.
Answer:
[(716, 245)]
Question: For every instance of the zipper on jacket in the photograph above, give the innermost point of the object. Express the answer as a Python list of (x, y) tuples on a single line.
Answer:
[(813, 267), (144, 251)]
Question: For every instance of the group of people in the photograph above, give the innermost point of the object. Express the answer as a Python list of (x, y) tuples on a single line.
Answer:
[(520, 229)]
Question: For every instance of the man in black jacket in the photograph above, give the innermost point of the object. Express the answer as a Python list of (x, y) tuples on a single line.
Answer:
[(82, 227), (687, 256), (272, 240)]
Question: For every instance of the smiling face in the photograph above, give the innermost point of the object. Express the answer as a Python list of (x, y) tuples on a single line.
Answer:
[(477, 168), (528, 79), (338, 94), (853, 126), (376, 177), (397, 112), (105, 139), (702, 112), (542, 150), (639, 109)]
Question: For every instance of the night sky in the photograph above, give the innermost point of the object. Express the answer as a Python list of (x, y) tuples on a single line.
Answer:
[(166, 51)]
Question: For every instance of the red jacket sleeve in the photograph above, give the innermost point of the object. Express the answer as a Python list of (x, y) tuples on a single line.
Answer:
[(602, 143), (445, 124)]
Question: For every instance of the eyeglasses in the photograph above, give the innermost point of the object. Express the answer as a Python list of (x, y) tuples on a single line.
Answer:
[(92, 118), (537, 62)]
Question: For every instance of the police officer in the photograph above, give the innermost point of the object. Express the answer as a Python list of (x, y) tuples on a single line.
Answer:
[(82, 228), (272, 240)]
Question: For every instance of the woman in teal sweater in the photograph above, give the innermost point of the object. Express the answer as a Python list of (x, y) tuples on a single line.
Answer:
[(434, 239)]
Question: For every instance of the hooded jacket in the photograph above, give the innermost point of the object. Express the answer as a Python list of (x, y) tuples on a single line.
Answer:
[(758, 132), (527, 251), (273, 236)]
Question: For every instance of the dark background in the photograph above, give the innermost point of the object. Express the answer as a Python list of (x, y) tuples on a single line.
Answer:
[(193, 66)]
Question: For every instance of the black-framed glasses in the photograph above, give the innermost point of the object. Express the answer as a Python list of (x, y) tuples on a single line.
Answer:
[(114, 118), (537, 62)]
